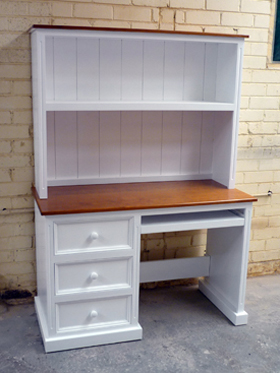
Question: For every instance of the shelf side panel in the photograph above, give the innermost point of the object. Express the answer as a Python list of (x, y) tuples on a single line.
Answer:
[(49, 46), (223, 148), (51, 145)]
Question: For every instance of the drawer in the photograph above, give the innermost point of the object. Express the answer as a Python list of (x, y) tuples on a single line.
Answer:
[(107, 312), (93, 275), (90, 235)]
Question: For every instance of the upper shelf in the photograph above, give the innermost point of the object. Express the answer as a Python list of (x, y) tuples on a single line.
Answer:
[(109, 70)]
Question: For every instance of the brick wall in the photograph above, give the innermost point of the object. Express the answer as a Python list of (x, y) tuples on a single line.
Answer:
[(258, 166)]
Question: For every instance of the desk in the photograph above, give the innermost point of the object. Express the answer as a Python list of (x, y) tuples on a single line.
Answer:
[(88, 254)]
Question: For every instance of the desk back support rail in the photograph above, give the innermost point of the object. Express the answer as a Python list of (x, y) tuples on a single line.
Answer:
[(174, 269)]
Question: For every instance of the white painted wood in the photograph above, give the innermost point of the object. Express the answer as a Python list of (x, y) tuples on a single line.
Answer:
[(49, 45), (132, 70), (171, 143), (223, 151), (191, 143), (139, 105), (121, 107), (225, 246), (63, 341), (208, 142), (227, 74), (174, 71), (77, 236), (151, 143), (88, 142), (88, 69), (110, 144), (98, 147), (127, 179), (226, 284), (174, 269), (39, 117), (51, 153), (79, 277), (43, 265), (86, 316), (66, 139), (110, 70), (194, 71), (210, 73), (237, 318), (153, 70), (131, 143), (65, 76), (190, 221)]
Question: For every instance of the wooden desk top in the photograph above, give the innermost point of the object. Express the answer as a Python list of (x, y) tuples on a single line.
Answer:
[(136, 196)]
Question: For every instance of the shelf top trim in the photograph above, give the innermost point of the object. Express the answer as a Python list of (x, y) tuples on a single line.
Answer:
[(84, 28), (136, 196)]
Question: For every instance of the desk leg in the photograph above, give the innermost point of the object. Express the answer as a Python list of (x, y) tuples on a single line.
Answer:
[(226, 284)]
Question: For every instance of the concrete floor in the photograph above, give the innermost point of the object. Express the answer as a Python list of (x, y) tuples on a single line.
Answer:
[(183, 332)]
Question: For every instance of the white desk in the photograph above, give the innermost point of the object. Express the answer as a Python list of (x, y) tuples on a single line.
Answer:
[(88, 254)]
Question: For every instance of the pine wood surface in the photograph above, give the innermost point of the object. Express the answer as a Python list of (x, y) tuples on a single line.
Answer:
[(85, 28), (136, 196)]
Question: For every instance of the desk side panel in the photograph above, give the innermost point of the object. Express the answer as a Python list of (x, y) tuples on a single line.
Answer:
[(42, 259)]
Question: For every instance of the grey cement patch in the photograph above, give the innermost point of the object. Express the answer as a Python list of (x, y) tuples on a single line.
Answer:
[(183, 332)]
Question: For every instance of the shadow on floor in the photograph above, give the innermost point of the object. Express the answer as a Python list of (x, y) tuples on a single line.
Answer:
[(182, 332)]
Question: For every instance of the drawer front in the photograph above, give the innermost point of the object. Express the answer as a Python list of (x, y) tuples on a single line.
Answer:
[(93, 314), (93, 275), (91, 235)]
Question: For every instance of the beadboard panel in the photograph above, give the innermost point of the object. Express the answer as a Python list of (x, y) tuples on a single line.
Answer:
[(98, 145), (104, 69)]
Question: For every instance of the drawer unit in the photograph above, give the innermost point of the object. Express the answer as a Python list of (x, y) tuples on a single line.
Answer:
[(93, 275), (77, 236), (100, 313), (88, 285)]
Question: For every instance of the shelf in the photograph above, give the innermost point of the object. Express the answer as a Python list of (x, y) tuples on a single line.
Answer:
[(190, 221), (138, 106)]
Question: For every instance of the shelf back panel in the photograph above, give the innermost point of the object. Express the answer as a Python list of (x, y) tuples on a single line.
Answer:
[(88, 69), (129, 145)]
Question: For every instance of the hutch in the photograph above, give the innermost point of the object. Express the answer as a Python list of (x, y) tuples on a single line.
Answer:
[(134, 132)]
